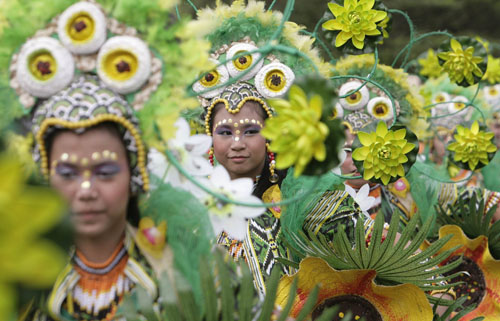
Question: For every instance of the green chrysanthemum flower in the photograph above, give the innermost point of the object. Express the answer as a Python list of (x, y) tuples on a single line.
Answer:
[(355, 20), (471, 146), (430, 65), (492, 74), (461, 64), (297, 134), (383, 153)]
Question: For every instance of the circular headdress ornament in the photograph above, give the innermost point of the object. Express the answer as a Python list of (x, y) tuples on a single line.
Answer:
[(82, 28), (243, 52)]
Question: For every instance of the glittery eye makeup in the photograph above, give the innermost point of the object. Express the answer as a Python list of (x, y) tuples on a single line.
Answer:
[(252, 130), (101, 165), (245, 130), (223, 131), (66, 171), (107, 170)]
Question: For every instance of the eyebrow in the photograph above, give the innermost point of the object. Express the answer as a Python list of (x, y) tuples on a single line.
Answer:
[(240, 126)]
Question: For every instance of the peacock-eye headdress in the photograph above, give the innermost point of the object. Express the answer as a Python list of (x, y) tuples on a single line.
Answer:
[(90, 64), (449, 104), (388, 96), (244, 38)]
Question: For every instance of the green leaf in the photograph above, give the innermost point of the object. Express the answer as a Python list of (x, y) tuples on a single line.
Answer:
[(227, 293), (271, 290), (309, 305), (246, 294), (209, 294)]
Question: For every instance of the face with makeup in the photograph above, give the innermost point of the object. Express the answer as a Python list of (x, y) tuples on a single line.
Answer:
[(237, 142), (91, 171)]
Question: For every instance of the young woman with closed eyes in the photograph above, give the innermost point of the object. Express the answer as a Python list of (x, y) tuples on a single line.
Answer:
[(97, 164)]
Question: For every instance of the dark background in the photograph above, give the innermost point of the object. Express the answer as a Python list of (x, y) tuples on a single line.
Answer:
[(459, 17)]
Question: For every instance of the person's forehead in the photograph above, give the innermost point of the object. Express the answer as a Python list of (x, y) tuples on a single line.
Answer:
[(248, 110), (88, 142)]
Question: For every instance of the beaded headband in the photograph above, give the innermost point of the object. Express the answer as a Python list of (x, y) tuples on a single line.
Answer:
[(234, 97), (84, 104)]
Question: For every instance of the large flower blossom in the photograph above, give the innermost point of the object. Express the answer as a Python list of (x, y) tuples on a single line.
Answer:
[(471, 146), (482, 277), (355, 20), (188, 150), (226, 216), (430, 65), (27, 213), (461, 64), (351, 288), (383, 153), (297, 134)]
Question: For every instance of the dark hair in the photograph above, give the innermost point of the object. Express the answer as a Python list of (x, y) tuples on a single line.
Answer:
[(264, 183), (133, 213)]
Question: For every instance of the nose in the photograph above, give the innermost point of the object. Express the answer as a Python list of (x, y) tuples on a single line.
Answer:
[(86, 191), (238, 144)]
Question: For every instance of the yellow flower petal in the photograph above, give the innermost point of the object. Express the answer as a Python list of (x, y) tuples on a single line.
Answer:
[(360, 153), (475, 128), (381, 129), (358, 44), (455, 45), (335, 9), (341, 39), (400, 134), (316, 104), (365, 138)]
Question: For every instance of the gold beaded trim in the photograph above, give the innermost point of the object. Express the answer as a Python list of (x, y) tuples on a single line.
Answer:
[(349, 126), (233, 111), (49, 122)]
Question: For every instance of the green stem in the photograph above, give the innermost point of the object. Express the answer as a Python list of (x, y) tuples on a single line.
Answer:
[(224, 198)]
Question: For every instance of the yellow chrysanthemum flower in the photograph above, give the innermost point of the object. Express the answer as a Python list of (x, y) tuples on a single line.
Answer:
[(297, 134), (355, 20), (472, 146), (460, 63), (383, 153), (492, 74), (430, 65)]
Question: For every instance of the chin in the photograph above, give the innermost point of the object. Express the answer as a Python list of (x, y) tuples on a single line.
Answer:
[(357, 183), (92, 229)]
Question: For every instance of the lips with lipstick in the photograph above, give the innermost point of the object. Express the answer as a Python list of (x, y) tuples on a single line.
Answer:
[(88, 213), (238, 158)]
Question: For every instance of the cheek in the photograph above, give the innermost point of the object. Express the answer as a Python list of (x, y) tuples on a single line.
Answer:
[(117, 193), (258, 146), (347, 164), (64, 188), (221, 146)]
